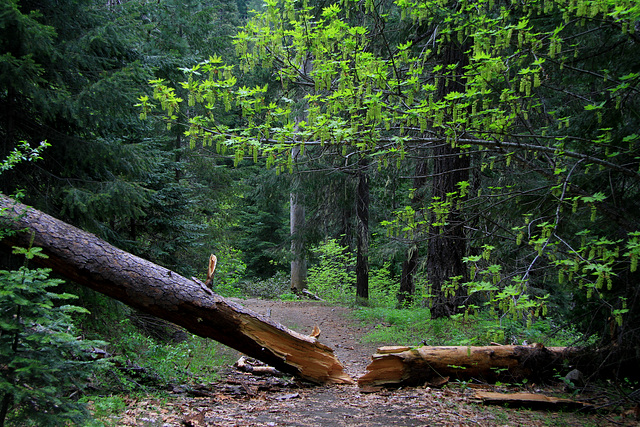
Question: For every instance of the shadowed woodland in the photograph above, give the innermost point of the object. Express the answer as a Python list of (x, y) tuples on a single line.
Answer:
[(455, 173)]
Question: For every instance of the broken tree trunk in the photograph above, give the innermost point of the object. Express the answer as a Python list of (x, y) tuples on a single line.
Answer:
[(395, 366), (90, 261)]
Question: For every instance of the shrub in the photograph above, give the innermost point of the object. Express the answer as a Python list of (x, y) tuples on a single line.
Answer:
[(272, 287), (383, 290), (332, 276), (42, 362)]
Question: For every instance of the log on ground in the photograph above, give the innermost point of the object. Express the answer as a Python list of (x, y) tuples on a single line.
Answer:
[(396, 366), (85, 259), (529, 400)]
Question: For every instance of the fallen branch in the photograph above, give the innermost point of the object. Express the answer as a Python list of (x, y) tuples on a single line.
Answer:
[(245, 365), (311, 295)]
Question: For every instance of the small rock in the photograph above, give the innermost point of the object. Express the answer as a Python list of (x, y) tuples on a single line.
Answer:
[(574, 380)]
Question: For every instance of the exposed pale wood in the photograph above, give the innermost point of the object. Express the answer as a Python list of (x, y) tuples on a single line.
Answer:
[(530, 400), (213, 261), (316, 332), (90, 261), (415, 366), (392, 349)]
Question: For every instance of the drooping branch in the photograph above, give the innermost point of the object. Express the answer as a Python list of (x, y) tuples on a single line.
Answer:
[(425, 142)]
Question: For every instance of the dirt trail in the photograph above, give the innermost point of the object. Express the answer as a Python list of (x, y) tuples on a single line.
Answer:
[(338, 328), (241, 399)]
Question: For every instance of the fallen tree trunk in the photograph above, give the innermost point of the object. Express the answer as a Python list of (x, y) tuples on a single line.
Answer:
[(84, 258), (395, 366)]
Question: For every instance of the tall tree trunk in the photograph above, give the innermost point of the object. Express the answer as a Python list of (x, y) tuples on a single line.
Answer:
[(296, 208), (410, 264), (362, 213), (8, 139), (92, 262), (296, 218), (447, 245)]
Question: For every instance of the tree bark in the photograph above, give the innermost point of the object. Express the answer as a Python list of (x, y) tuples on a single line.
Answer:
[(447, 246), (395, 366), (90, 261), (362, 213)]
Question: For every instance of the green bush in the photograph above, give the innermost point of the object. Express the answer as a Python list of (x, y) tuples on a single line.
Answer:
[(332, 277), (106, 408), (383, 290), (42, 361), (272, 287)]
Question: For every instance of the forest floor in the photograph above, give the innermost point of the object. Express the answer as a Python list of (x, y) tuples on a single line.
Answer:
[(240, 399)]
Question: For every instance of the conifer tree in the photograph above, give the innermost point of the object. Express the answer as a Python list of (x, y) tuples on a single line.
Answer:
[(74, 83)]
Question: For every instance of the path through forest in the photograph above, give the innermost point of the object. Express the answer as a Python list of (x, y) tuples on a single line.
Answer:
[(241, 399), (338, 329)]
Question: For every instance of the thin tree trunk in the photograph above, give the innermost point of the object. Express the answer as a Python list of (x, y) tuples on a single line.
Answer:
[(362, 213), (407, 284), (90, 261), (409, 266), (4, 407), (298, 260)]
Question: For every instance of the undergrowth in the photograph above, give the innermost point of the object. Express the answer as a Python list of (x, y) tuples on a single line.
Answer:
[(332, 277), (414, 326), (147, 353), (145, 357), (158, 364)]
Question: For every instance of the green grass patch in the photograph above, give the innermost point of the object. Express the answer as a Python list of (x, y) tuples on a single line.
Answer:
[(414, 327), (106, 410)]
